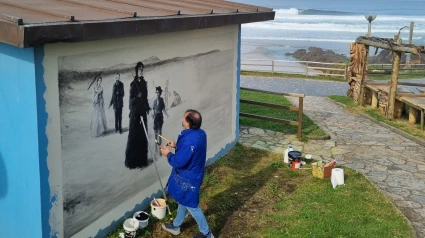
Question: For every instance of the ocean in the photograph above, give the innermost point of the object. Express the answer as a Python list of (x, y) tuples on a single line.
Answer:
[(328, 24)]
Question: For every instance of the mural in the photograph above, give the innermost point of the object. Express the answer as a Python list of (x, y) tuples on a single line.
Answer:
[(105, 153)]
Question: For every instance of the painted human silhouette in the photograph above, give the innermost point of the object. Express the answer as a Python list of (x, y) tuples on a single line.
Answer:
[(158, 110), (136, 153), (117, 102), (98, 121)]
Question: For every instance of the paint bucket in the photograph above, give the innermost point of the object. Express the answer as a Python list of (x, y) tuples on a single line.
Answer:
[(159, 211), (143, 218), (296, 165), (130, 227)]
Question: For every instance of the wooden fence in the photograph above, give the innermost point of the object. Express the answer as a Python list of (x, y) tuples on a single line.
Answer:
[(298, 109), (303, 67)]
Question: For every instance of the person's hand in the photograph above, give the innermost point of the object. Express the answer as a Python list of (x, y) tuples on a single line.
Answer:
[(171, 144), (164, 150), (139, 95)]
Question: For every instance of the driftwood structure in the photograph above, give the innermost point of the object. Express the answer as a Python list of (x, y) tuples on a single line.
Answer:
[(357, 75)]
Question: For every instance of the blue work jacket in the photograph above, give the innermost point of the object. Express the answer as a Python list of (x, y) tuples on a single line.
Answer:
[(188, 167)]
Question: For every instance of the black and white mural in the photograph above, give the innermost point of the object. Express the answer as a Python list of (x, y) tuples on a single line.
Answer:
[(111, 113)]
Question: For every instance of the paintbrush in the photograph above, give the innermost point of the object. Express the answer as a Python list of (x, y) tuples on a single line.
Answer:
[(156, 203)]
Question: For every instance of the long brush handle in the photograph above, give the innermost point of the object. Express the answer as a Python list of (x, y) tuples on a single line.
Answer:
[(163, 137), (154, 162)]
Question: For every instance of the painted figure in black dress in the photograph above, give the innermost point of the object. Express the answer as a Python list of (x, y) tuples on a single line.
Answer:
[(136, 153)]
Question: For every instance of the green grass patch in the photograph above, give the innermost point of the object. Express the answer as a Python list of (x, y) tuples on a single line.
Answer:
[(400, 123), (402, 75), (250, 193), (309, 128)]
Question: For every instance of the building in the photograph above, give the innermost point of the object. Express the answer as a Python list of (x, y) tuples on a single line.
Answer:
[(62, 159)]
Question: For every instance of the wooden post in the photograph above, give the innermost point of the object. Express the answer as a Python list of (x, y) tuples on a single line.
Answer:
[(374, 99), (300, 117), (306, 70), (346, 72), (394, 82), (413, 115), (362, 81), (412, 24), (272, 66)]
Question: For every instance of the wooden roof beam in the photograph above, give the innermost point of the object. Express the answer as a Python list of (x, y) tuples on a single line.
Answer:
[(394, 47)]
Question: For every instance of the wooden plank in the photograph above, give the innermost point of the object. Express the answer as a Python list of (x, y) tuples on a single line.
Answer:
[(410, 95), (374, 99), (295, 109), (294, 123), (396, 48), (300, 117), (413, 112), (283, 94), (362, 81), (377, 83), (321, 68), (393, 88)]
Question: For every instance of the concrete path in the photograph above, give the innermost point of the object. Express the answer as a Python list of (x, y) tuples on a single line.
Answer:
[(393, 163)]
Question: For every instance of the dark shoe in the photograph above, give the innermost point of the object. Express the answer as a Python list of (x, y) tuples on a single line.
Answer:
[(171, 228), (200, 235), (120, 131)]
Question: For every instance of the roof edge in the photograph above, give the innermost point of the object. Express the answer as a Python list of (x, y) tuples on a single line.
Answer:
[(24, 36)]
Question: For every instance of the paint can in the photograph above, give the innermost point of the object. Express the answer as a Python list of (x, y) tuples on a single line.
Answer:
[(159, 211), (143, 218), (296, 165), (130, 227)]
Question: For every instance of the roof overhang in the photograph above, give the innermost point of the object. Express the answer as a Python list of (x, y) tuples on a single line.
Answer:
[(28, 23)]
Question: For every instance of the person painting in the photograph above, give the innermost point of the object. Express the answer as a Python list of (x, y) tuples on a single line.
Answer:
[(136, 153), (158, 109), (117, 102), (187, 174), (98, 121)]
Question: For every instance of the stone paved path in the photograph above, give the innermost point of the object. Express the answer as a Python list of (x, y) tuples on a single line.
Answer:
[(393, 163)]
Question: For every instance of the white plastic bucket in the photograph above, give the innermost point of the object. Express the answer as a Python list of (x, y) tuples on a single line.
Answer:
[(130, 227), (142, 222), (159, 211)]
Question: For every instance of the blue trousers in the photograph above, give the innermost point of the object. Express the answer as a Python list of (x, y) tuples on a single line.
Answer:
[(196, 213)]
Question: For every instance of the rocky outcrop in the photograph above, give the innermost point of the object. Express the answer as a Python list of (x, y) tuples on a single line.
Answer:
[(386, 57), (319, 55)]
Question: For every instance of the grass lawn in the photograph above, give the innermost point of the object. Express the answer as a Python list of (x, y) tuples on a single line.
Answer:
[(404, 75), (309, 128), (402, 124), (285, 75), (251, 193)]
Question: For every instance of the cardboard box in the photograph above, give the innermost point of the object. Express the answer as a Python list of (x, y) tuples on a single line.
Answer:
[(322, 172)]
